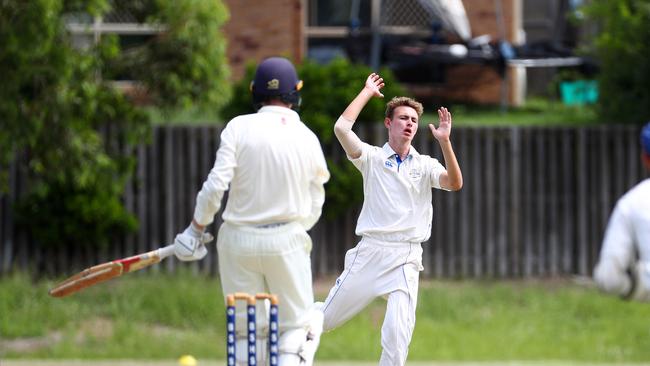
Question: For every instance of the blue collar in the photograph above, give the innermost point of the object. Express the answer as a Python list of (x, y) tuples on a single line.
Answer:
[(399, 160)]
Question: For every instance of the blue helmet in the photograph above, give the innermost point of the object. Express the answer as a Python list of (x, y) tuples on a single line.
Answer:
[(276, 77), (645, 138)]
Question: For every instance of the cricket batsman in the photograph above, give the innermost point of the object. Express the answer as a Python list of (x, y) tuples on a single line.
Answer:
[(274, 169)]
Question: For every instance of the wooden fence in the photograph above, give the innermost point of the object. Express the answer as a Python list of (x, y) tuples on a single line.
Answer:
[(535, 203)]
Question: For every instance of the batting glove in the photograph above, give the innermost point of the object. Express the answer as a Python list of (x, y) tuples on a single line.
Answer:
[(190, 244)]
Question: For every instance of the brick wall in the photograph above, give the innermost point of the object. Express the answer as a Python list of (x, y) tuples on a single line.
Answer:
[(261, 28)]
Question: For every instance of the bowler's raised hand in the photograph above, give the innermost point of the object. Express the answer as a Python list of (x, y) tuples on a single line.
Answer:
[(443, 132)]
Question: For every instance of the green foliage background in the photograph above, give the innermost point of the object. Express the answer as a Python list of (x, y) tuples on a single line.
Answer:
[(622, 47), (72, 130), (185, 66), (327, 91)]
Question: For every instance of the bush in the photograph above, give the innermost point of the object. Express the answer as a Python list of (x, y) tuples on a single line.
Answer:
[(186, 65), (622, 47), (327, 91), (62, 214)]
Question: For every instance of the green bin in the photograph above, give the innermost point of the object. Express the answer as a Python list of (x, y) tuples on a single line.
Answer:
[(579, 92)]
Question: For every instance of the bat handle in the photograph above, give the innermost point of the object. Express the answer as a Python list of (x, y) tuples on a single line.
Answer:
[(165, 252)]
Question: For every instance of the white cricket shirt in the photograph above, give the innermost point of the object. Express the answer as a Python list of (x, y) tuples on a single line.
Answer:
[(397, 199), (274, 167), (627, 235)]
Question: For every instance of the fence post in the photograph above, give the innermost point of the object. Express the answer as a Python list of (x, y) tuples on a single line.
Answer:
[(515, 203), (581, 209)]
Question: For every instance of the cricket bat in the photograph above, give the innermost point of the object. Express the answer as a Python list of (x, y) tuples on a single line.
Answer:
[(105, 271)]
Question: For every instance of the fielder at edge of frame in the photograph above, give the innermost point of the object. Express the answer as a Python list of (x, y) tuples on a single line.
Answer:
[(623, 267)]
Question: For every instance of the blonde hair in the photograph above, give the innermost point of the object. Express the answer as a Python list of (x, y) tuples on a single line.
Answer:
[(400, 102)]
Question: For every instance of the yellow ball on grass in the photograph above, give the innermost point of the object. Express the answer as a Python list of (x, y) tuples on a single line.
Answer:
[(187, 360)]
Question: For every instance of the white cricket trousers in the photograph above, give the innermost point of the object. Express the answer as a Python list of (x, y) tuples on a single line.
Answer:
[(275, 260), (377, 268)]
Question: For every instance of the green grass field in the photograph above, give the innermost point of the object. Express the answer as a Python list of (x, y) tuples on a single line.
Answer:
[(149, 316)]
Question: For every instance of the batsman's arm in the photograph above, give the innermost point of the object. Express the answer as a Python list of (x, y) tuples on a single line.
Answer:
[(316, 188), (208, 200)]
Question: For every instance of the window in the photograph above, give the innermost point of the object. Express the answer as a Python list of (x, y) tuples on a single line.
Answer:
[(347, 27), (87, 31), (338, 13)]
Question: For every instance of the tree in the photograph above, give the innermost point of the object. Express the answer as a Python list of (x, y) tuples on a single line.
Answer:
[(622, 47), (75, 130)]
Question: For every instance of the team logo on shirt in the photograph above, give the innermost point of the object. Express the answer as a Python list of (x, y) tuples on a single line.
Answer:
[(388, 164), (415, 174)]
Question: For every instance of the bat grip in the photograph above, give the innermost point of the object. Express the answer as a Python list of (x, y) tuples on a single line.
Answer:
[(165, 252)]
